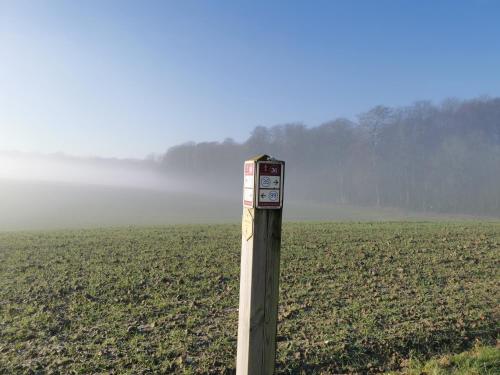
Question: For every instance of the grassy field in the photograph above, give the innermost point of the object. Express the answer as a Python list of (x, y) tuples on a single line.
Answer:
[(360, 297), (480, 360)]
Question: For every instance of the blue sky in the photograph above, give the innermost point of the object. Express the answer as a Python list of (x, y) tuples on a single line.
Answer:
[(125, 79)]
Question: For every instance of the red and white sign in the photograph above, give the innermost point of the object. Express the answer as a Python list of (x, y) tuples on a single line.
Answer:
[(249, 184), (270, 189), (263, 184)]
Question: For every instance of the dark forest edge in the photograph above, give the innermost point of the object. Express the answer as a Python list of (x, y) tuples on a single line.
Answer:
[(424, 157)]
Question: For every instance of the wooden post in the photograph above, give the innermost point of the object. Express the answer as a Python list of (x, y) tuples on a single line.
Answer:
[(260, 264)]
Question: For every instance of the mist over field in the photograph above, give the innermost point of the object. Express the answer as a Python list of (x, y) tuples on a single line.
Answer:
[(60, 168), (419, 161)]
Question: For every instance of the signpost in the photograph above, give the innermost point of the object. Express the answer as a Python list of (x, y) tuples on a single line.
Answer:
[(260, 259)]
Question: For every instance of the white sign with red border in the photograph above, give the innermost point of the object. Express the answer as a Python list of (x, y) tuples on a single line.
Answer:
[(249, 184)]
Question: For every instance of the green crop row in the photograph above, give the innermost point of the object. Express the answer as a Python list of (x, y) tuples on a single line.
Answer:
[(354, 298)]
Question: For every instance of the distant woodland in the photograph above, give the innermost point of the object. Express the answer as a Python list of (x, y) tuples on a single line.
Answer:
[(424, 157)]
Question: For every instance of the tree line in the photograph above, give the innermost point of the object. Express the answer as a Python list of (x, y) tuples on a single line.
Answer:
[(423, 157)]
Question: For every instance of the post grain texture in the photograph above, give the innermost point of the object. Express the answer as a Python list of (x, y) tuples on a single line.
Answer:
[(259, 286)]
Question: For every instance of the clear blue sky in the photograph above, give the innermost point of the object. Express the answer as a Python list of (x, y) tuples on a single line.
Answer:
[(119, 78)]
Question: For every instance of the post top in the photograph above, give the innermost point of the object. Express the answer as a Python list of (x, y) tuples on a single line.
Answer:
[(263, 157)]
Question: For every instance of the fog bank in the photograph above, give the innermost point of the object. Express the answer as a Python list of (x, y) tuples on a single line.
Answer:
[(424, 160), (60, 168)]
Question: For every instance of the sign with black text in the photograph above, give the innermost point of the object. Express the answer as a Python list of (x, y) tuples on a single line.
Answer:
[(263, 184)]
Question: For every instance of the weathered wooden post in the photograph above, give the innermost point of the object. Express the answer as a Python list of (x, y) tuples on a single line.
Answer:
[(260, 265)]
